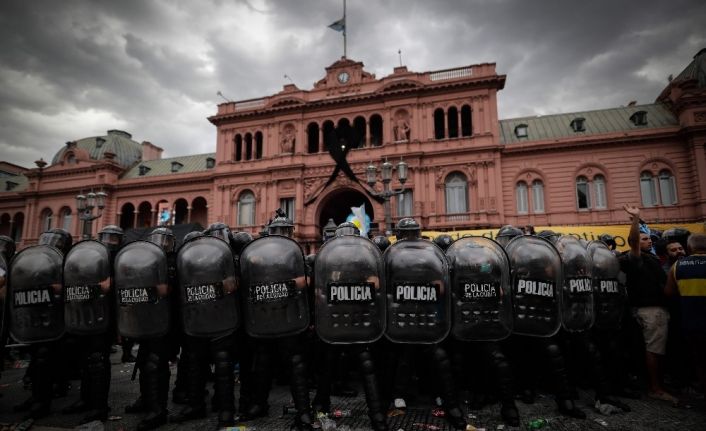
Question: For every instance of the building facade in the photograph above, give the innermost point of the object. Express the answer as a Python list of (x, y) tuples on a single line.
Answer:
[(466, 167)]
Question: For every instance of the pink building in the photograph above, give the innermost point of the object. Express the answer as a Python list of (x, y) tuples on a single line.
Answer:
[(467, 168)]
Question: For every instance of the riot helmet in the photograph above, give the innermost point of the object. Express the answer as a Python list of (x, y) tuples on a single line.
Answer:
[(506, 233), (219, 230), (347, 228), (281, 225), (549, 235), (58, 238), (111, 236), (677, 234), (164, 238), (608, 240), (7, 247), (193, 234), (408, 228), (382, 242), (444, 241), (240, 240)]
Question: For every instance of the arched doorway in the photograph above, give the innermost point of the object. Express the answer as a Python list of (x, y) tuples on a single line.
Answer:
[(337, 205), (127, 216)]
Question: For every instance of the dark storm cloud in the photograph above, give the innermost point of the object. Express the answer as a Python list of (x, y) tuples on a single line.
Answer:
[(72, 69)]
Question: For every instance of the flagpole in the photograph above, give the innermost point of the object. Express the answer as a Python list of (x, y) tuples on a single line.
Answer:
[(344, 29)]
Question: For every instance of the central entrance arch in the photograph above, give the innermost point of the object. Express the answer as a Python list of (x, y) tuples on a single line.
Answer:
[(337, 205)]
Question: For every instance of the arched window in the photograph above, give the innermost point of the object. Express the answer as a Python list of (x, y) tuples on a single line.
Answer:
[(66, 218), (312, 138), (599, 190), (648, 190), (667, 188), (521, 196), (327, 130), (452, 116), (238, 147), (538, 196), (375, 130), (246, 209), (583, 193), (456, 193), (258, 145), (439, 132), (46, 219), (466, 121), (248, 146), (359, 126)]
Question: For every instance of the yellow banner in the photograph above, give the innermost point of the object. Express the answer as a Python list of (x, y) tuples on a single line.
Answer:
[(618, 231)]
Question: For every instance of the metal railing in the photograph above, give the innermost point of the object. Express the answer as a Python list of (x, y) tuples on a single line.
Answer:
[(459, 72)]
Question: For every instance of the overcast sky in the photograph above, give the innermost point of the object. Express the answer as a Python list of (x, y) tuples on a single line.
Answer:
[(73, 69)]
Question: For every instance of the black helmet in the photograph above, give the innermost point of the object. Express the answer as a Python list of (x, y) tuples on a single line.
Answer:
[(7, 247), (219, 230), (549, 235), (193, 234), (677, 234), (240, 240), (506, 233), (163, 237), (281, 225), (408, 228), (382, 242), (608, 240), (57, 237), (444, 241), (111, 235), (347, 228)]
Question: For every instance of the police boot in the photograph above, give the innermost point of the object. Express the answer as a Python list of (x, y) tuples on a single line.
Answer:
[(139, 405), (157, 414), (454, 414), (98, 368), (378, 421), (509, 413), (193, 380), (300, 393), (82, 404), (563, 397), (260, 385), (41, 384), (224, 388)]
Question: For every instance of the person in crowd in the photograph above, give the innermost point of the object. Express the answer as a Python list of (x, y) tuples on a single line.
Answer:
[(687, 279), (645, 284)]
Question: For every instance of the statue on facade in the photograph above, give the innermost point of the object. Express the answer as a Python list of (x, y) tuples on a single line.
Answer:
[(288, 139)]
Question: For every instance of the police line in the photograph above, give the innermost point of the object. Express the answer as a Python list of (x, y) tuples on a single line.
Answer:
[(618, 231)]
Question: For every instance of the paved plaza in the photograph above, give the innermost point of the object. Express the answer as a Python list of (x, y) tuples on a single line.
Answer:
[(646, 414)]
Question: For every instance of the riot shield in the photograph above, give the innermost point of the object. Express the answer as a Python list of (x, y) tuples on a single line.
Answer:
[(273, 280), (536, 278), (207, 287), (577, 289), (480, 290), (350, 291), (418, 300), (36, 301), (4, 278), (87, 288), (610, 295), (142, 290)]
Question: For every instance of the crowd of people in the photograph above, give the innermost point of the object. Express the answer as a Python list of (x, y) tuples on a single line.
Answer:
[(654, 320)]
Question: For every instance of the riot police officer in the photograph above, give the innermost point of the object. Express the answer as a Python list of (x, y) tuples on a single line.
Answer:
[(276, 312), (89, 316), (419, 305), (349, 300), (207, 288), (7, 250), (37, 312), (144, 280)]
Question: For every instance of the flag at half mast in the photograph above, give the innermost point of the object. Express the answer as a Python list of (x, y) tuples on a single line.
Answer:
[(339, 25)]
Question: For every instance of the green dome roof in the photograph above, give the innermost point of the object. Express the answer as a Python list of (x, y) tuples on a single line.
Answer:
[(120, 143)]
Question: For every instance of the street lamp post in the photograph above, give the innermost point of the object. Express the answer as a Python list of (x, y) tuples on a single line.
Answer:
[(386, 194), (85, 204)]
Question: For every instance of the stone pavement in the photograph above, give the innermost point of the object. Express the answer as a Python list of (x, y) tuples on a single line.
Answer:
[(646, 414)]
